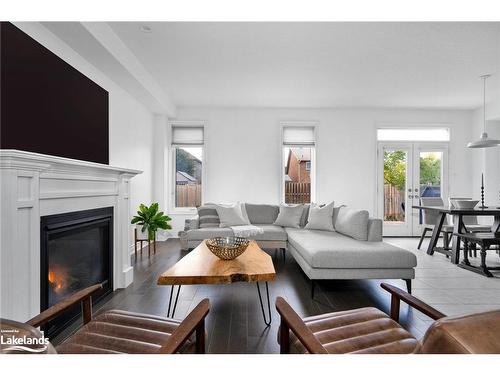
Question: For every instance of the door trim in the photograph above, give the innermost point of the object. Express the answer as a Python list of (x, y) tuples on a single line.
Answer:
[(413, 149)]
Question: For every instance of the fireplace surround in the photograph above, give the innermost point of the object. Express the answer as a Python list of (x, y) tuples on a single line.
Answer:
[(76, 252), (35, 186)]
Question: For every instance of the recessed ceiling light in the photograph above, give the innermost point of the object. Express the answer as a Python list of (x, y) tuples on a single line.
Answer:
[(145, 29)]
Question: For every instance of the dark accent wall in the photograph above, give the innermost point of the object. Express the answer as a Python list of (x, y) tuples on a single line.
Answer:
[(47, 106)]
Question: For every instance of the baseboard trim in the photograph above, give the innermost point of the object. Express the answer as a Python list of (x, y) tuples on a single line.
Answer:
[(139, 248)]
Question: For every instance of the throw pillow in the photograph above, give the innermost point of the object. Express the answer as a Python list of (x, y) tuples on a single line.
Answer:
[(352, 223), (208, 216), (289, 216), (231, 215), (305, 214), (262, 213), (320, 218)]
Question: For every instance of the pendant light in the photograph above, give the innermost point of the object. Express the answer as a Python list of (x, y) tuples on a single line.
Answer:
[(484, 141)]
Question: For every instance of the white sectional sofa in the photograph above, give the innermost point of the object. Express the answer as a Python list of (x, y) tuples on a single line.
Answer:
[(322, 255)]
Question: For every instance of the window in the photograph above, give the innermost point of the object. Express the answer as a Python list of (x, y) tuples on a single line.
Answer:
[(414, 134), (187, 149), (298, 163)]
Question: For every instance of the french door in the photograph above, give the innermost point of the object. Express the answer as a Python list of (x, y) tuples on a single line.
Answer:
[(406, 172)]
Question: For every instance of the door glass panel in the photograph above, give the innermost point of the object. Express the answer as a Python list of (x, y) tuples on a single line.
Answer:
[(431, 172), (395, 167)]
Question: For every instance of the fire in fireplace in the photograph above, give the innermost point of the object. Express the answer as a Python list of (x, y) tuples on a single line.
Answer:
[(76, 252)]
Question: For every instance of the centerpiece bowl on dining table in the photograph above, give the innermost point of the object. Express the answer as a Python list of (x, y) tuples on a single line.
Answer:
[(465, 204), (227, 248)]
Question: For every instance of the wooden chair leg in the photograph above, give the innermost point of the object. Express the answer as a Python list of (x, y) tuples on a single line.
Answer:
[(467, 252), (446, 242), (87, 310), (395, 306), (200, 338), (284, 337), (422, 238)]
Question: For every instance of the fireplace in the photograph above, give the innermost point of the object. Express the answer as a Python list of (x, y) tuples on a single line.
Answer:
[(76, 252)]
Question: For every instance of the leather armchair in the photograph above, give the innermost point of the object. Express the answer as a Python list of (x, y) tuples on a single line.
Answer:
[(116, 331), (371, 331)]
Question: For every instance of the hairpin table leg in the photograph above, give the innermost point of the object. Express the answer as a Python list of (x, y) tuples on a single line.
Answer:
[(170, 301), (266, 321)]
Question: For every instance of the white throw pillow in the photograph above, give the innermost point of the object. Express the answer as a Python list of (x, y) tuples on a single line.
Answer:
[(352, 223), (289, 216), (231, 215), (320, 218)]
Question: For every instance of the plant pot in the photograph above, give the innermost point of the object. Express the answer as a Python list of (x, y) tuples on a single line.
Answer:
[(140, 234)]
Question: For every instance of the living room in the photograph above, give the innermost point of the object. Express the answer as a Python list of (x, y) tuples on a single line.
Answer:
[(250, 187)]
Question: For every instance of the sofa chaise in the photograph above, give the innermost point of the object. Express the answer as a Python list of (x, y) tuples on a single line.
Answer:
[(354, 251)]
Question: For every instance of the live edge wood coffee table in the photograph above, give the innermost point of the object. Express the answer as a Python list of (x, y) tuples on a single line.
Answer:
[(200, 266)]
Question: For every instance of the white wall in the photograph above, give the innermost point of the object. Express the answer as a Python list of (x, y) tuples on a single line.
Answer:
[(130, 123), (243, 151), (486, 161)]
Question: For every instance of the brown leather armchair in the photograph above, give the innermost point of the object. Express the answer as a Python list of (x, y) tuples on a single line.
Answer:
[(116, 331), (371, 331)]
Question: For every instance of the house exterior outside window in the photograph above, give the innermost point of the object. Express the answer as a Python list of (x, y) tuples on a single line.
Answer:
[(298, 157), (187, 155)]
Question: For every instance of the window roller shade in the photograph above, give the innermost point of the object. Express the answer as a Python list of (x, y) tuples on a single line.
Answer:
[(187, 135), (298, 135)]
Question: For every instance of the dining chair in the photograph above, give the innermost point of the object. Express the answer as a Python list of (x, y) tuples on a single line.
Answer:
[(471, 224), (429, 219)]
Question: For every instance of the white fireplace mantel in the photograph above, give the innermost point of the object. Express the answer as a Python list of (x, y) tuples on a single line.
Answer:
[(34, 185)]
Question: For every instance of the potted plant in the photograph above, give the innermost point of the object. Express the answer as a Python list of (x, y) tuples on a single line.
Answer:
[(149, 220)]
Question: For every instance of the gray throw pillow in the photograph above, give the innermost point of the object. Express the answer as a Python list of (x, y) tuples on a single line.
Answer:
[(208, 216), (262, 213), (289, 216), (352, 223), (231, 215), (320, 218), (305, 214)]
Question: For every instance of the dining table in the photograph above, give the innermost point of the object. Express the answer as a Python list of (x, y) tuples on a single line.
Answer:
[(458, 226)]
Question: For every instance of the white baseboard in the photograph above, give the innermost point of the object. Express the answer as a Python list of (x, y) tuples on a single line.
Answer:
[(139, 248), (128, 276)]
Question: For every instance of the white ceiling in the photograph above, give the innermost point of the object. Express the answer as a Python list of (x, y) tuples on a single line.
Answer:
[(414, 65)]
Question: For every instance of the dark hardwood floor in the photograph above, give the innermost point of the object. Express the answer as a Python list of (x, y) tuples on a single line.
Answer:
[(235, 323)]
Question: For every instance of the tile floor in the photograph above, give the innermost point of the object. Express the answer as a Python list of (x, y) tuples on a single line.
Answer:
[(447, 287)]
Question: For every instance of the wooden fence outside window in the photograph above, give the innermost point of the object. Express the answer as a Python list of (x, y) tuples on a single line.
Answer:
[(188, 195), (297, 192)]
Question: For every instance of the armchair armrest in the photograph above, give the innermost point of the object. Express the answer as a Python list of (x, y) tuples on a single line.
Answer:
[(84, 296), (398, 295), (195, 321), (291, 321)]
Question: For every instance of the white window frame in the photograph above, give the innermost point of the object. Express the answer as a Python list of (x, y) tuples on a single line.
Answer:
[(172, 174), (414, 127), (314, 159)]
